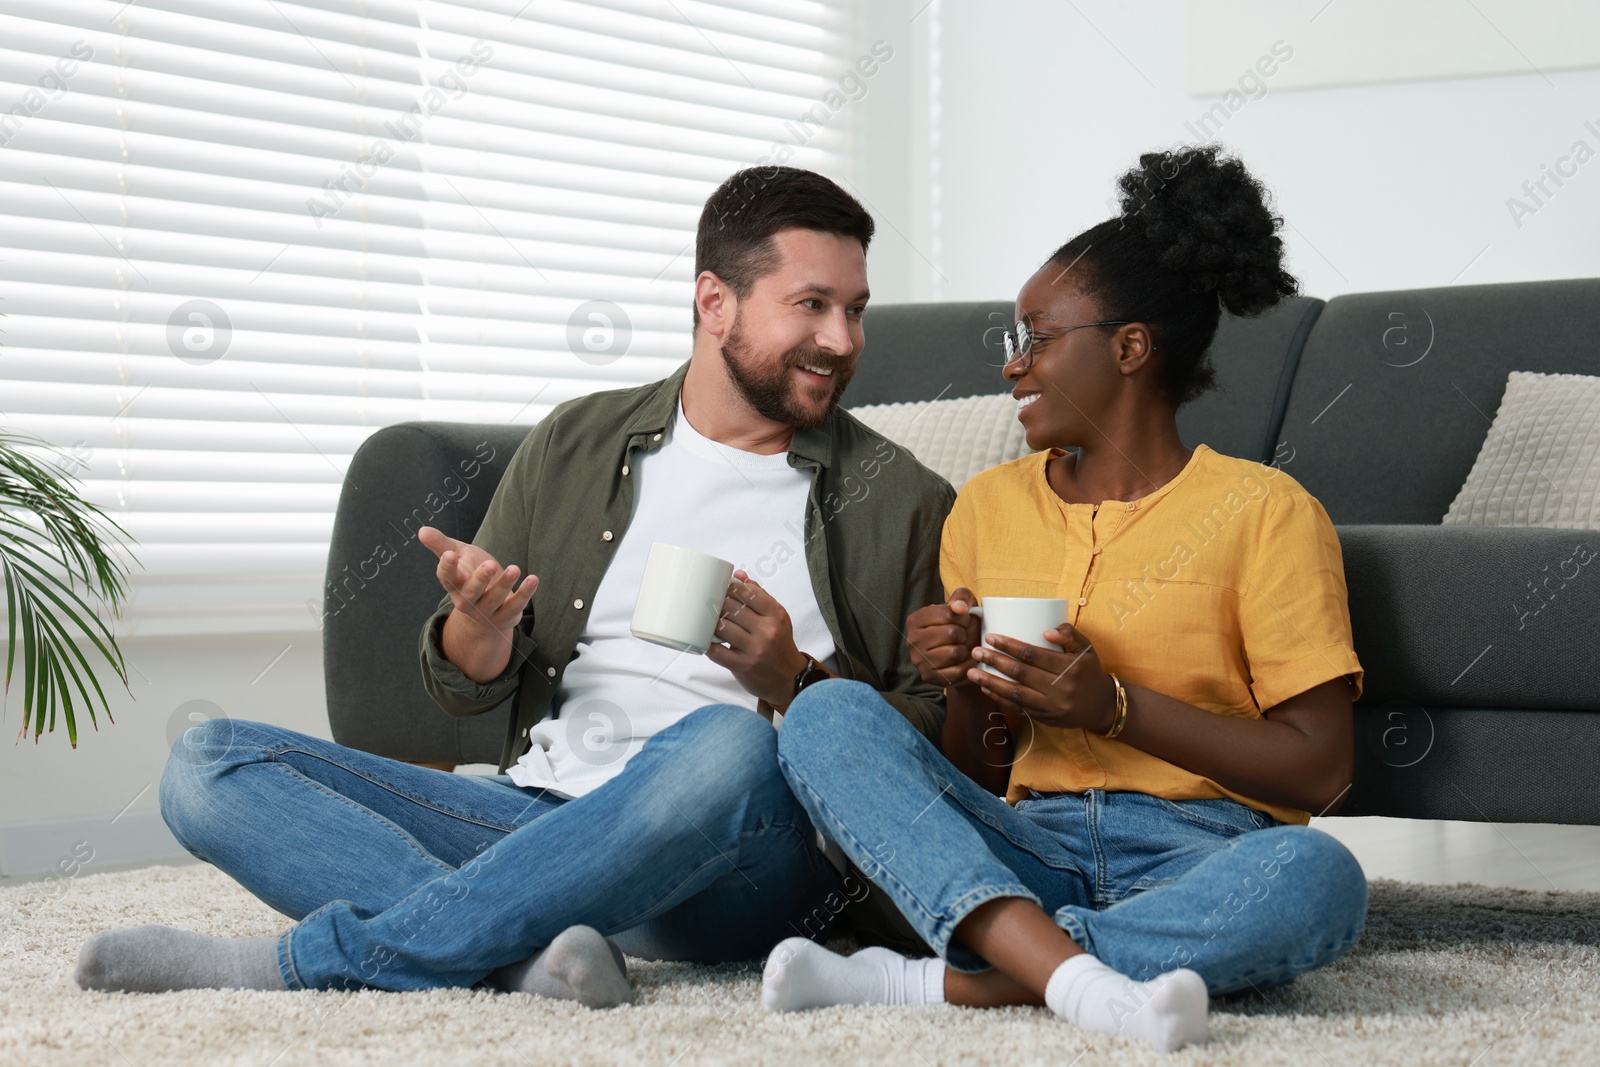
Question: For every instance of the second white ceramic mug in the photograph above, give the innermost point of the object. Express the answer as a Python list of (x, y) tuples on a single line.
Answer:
[(1023, 618), (680, 598)]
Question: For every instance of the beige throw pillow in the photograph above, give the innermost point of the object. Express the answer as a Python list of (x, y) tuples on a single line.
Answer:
[(1540, 465), (956, 438)]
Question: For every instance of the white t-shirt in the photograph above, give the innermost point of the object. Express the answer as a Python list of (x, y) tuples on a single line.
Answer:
[(619, 691)]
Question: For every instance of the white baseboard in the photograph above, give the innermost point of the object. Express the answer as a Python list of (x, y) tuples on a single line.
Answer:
[(68, 847)]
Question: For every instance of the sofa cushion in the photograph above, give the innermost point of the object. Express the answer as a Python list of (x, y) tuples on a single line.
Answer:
[(1474, 617), (1255, 360), (1540, 463), (1395, 391), (956, 438), (1475, 764), (936, 351), (930, 351)]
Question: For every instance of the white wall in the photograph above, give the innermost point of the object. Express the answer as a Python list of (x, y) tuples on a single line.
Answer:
[(59, 803), (1041, 104), (890, 145)]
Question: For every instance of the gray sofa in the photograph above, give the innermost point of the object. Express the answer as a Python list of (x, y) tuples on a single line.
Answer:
[(1473, 708)]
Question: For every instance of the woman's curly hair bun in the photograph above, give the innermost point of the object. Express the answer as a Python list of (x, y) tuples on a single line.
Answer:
[(1208, 219)]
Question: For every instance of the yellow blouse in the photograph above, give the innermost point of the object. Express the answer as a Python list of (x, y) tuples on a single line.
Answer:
[(1223, 589)]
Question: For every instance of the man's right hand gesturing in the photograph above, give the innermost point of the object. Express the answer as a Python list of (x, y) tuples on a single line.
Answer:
[(486, 605)]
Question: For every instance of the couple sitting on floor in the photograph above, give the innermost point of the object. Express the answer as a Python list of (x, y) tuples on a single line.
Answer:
[(1159, 753)]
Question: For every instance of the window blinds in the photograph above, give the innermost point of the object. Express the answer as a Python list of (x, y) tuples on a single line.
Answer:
[(236, 238)]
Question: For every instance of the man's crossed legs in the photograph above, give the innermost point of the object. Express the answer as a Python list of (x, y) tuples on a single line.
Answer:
[(404, 877)]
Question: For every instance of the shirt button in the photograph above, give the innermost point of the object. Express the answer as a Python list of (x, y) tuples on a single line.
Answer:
[(1083, 600), (1131, 507), (624, 470), (1096, 551), (607, 536), (578, 603), (551, 671), (657, 437)]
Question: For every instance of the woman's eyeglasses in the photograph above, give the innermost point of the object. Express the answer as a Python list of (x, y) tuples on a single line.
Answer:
[(1019, 342)]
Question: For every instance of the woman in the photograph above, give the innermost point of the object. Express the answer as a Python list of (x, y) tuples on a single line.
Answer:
[(1161, 751)]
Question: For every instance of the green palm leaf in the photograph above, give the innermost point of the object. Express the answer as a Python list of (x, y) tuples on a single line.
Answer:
[(52, 541)]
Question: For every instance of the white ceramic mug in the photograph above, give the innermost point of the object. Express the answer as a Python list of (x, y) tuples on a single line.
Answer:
[(680, 598), (1023, 618)]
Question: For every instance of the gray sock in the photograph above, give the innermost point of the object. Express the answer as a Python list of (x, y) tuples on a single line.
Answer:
[(578, 965), (154, 959)]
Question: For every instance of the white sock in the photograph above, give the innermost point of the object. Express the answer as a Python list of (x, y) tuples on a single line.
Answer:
[(1169, 1011), (802, 974)]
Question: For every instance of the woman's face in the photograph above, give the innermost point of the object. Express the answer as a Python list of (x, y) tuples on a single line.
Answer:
[(1073, 379)]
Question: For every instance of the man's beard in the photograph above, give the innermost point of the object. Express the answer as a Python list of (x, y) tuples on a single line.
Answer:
[(770, 390)]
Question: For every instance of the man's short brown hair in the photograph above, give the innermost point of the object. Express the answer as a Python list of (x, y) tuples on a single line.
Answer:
[(734, 240)]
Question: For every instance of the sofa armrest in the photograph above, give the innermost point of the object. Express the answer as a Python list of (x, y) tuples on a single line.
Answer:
[(381, 586), (1475, 617)]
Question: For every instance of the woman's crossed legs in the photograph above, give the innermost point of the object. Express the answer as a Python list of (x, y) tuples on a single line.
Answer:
[(1165, 901)]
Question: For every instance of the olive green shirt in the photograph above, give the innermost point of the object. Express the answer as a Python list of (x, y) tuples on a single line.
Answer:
[(873, 522)]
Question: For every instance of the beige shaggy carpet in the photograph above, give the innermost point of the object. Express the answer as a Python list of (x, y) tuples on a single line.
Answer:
[(1445, 975)]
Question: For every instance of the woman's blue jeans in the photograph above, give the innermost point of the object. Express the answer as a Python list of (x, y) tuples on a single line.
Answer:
[(1145, 884), (406, 877)]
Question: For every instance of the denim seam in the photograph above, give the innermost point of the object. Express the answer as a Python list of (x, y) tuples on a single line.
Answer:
[(774, 829), (943, 929), (445, 868), (1005, 831), (770, 828), (1337, 949), (806, 840), (286, 968), (1139, 885), (1091, 813), (1075, 928), (275, 753), (1275, 973), (794, 777), (640, 917), (1215, 826)]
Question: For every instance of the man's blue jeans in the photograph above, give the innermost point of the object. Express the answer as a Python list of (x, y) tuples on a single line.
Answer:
[(406, 877), (1145, 884)]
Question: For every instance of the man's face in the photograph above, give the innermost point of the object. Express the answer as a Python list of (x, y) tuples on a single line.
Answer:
[(796, 336)]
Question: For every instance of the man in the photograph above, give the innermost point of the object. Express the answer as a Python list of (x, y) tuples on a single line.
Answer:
[(640, 795)]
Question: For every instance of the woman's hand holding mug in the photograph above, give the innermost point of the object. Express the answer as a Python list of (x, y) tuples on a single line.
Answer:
[(941, 638)]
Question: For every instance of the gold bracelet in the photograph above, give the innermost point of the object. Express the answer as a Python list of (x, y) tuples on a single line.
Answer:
[(1121, 718)]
